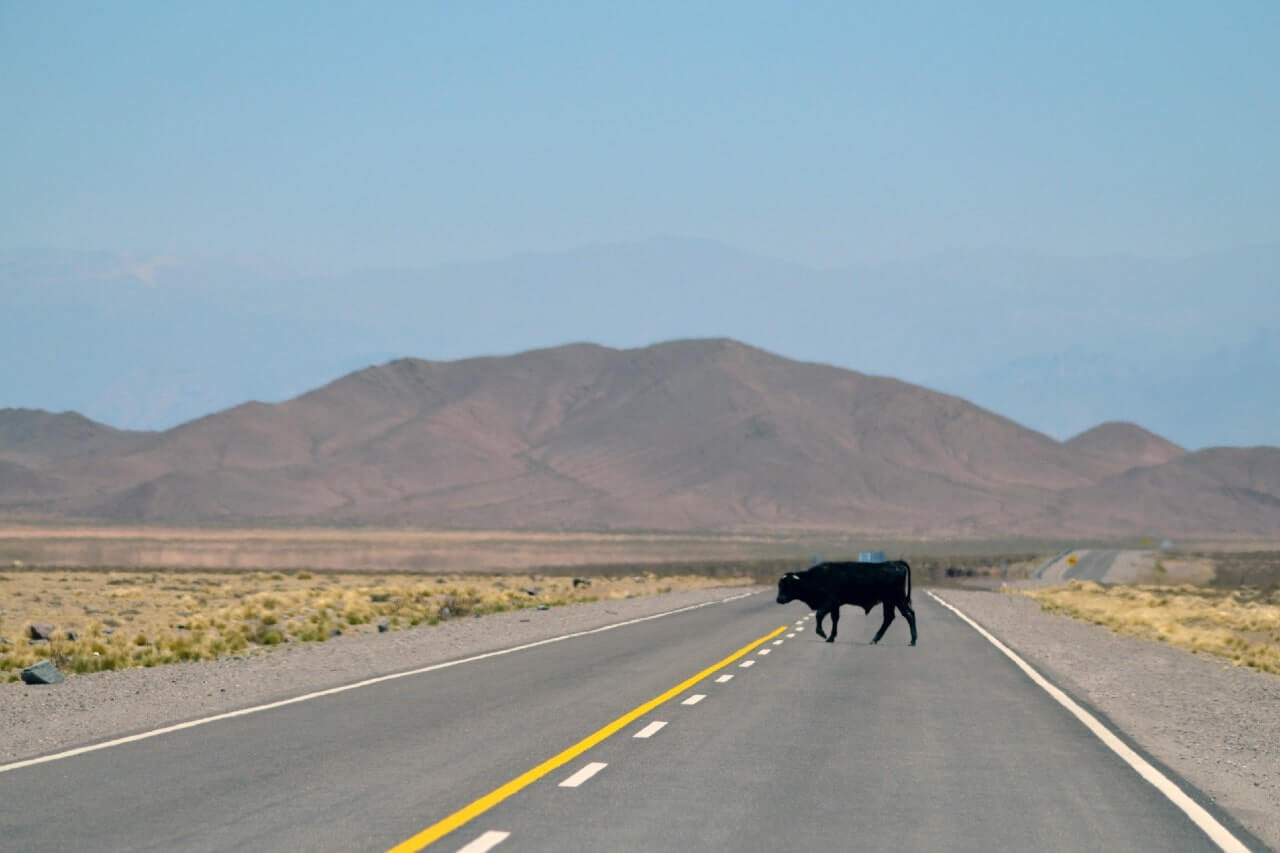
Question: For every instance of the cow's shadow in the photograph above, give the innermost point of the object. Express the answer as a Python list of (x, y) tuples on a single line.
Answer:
[(814, 637), (841, 641)]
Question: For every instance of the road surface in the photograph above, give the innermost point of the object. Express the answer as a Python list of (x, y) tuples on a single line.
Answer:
[(1104, 566), (813, 746), (1091, 566)]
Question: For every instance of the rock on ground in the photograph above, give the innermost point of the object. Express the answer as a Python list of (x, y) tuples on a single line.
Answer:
[(42, 672), (40, 631)]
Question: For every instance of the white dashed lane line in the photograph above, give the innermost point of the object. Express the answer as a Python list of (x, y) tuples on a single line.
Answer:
[(584, 774), (650, 730), (789, 636), (488, 841), (494, 837)]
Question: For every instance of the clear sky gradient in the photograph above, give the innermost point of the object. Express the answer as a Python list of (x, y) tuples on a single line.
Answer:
[(341, 136)]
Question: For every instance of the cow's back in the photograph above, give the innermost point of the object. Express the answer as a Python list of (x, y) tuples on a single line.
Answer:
[(867, 584)]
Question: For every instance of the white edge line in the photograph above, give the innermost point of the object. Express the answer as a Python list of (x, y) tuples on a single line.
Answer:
[(243, 712), (1218, 833), (584, 774), (651, 729), (485, 842)]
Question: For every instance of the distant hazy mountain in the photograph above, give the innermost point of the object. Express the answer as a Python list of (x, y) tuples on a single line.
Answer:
[(694, 434), (1231, 491), (1187, 348), (1228, 395), (1114, 447)]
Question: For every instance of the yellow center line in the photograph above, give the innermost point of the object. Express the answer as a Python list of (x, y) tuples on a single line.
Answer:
[(470, 812)]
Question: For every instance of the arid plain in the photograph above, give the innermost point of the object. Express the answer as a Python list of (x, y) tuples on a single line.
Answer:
[(695, 461)]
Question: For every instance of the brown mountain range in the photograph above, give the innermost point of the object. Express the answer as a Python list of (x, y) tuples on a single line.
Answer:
[(687, 435)]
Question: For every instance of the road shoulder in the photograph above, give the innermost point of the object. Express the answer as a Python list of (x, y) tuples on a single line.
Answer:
[(1208, 721), (37, 720)]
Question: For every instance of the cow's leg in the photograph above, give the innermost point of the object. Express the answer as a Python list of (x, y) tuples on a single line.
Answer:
[(817, 625), (884, 626), (835, 620), (905, 607)]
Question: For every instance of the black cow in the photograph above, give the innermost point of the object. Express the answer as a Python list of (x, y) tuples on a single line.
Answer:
[(826, 586)]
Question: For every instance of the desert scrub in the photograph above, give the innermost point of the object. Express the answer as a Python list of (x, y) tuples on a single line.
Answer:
[(1241, 625), (126, 619)]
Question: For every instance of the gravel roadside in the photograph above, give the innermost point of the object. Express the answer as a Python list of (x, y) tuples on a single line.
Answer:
[(1215, 724), (35, 720)]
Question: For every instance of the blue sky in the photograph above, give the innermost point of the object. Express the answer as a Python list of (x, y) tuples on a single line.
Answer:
[(344, 136)]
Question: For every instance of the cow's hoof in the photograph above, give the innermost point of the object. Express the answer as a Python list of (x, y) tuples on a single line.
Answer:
[(831, 639)]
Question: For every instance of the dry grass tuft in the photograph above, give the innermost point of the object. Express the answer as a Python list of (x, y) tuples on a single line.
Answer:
[(129, 619), (1241, 625)]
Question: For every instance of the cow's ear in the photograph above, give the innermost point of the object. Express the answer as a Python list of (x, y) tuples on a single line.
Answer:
[(793, 575)]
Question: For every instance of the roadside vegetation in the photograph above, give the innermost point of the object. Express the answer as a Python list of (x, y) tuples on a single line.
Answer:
[(1240, 624), (115, 619), (105, 620)]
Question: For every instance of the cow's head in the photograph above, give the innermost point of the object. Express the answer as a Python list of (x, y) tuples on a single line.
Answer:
[(789, 587)]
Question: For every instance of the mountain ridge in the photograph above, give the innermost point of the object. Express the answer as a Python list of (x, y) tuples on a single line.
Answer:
[(708, 434)]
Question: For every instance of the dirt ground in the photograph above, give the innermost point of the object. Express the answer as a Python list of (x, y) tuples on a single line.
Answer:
[(1152, 567), (389, 550)]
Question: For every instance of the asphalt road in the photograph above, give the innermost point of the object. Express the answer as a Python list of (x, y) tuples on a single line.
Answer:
[(1091, 565), (815, 746)]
